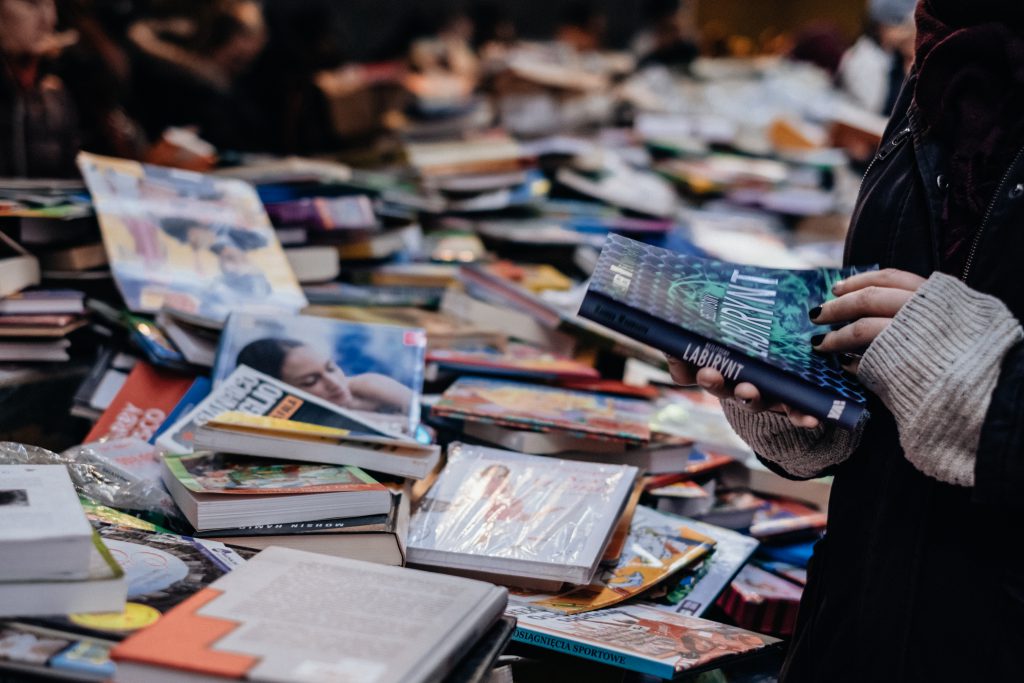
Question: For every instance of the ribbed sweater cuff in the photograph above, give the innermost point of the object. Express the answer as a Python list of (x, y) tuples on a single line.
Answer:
[(935, 367), (801, 452)]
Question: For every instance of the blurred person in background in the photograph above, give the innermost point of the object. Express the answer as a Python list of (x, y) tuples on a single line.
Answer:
[(873, 70), (819, 43), (667, 37), (38, 122), (928, 486), (581, 26), (187, 67)]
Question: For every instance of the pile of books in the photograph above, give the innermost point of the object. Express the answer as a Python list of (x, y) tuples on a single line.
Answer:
[(390, 423)]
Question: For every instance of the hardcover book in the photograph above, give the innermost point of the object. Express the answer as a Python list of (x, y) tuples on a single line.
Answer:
[(749, 323), (507, 514), (195, 242), (374, 370), (538, 408), (291, 615), (637, 638)]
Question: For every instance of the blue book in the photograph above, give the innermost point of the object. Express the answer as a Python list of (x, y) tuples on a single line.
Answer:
[(199, 390)]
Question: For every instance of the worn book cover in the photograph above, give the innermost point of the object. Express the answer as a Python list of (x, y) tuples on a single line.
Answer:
[(637, 638), (195, 242), (373, 370), (142, 405), (751, 324), (228, 474), (519, 515), (539, 408)]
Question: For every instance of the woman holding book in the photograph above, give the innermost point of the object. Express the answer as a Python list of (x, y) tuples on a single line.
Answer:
[(918, 576)]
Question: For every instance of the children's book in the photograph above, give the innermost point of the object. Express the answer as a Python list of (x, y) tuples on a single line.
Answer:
[(195, 242), (751, 324), (507, 514), (538, 408), (637, 638), (371, 370)]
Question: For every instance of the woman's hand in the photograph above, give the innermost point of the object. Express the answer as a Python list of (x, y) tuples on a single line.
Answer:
[(746, 393), (867, 303)]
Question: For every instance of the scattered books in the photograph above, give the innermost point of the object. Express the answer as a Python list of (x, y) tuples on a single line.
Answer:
[(141, 406)]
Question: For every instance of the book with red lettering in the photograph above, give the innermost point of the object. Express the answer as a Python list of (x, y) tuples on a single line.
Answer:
[(141, 406)]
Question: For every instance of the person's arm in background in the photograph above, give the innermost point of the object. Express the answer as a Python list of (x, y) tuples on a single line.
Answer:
[(946, 360)]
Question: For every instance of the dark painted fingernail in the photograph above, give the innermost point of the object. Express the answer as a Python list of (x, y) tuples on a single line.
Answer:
[(848, 358), (814, 313), (817, 339)]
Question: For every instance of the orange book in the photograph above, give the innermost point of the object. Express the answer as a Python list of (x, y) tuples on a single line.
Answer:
[(141, 406)]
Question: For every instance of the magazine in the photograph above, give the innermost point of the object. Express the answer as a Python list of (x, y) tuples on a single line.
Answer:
[(197, 243), (375, 370)]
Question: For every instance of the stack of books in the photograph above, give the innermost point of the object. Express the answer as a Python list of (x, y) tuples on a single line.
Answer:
[(35, 324)]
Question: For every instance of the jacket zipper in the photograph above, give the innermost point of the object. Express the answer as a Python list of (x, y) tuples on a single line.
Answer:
[(896, 141), (976, 242)]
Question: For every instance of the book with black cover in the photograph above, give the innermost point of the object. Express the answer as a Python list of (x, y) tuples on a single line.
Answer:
[(749, 323)]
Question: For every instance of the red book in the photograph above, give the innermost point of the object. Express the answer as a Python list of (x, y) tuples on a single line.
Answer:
[(760, 601), (142, 404)]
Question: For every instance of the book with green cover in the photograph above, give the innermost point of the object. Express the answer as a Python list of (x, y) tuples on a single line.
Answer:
[(217, 473), (749, 323)]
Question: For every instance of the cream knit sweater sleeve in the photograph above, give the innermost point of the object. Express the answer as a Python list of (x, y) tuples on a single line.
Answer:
[(934, 368)]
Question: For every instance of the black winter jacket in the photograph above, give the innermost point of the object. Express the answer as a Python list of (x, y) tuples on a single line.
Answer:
[(915, 579)]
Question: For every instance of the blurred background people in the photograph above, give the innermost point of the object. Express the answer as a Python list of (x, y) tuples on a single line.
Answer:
[(38, 122), (581, 26), (667, 35), (874, 68)]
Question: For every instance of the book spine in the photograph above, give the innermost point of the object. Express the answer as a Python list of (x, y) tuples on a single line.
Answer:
[(593, 652), (735, 366)]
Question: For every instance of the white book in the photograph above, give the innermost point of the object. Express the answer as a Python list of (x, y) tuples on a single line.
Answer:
[(519, 516), (43, 531), (288, 615)]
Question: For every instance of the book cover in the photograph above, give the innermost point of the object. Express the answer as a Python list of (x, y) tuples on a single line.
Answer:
[(538, 408), (196, 242), (375, 370), (762, 600), (249, 391), (142, 404), (693, 592), (749, 323), (637, 638), (162, 570), (493, 510), (292, 615), (657, 547), (518, 360), (226, 474), (787, 518), (197, 392)]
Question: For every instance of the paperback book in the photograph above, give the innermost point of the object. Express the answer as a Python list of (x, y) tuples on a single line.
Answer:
[(142, 404), (195, 242), (520, 516), (749, 323), (517, 360), (538, 408), (376, 370)]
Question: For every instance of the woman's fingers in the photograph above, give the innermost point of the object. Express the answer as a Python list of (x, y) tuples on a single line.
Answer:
[(869, 302), (801, 419), (852, 338), (683, 374), (889, 278), (713, 382)]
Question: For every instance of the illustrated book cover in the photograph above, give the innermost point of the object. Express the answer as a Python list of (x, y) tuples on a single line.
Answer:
[(751, 324)]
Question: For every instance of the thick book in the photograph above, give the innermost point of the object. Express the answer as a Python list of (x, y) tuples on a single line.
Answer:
[(540, 408), (749, 323), (251, 392), (291, 615), (43, 532), (44, 302), (216, 491), (142, 405), (657, 547), (162, 570), (374, 538), (372, 370), (519, 516), (196, 242), (637, 638), (102, 589)]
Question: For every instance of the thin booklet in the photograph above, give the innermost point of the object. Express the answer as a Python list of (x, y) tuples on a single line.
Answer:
[(751, 324)]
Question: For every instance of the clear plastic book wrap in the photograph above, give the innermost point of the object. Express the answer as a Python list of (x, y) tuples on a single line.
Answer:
[(506, 513), (113, 473)]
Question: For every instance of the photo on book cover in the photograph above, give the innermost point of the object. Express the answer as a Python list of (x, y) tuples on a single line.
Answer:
[(373, 370), (188, 241)]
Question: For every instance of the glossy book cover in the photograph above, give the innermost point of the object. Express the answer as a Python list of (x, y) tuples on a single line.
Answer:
[(749, 323)]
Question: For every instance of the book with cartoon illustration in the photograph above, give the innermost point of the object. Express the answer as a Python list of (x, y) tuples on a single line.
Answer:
[(375, 371), (657, 547), (539, 408), (751, 324), (637, 638), (499, 513), (194, 242)]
